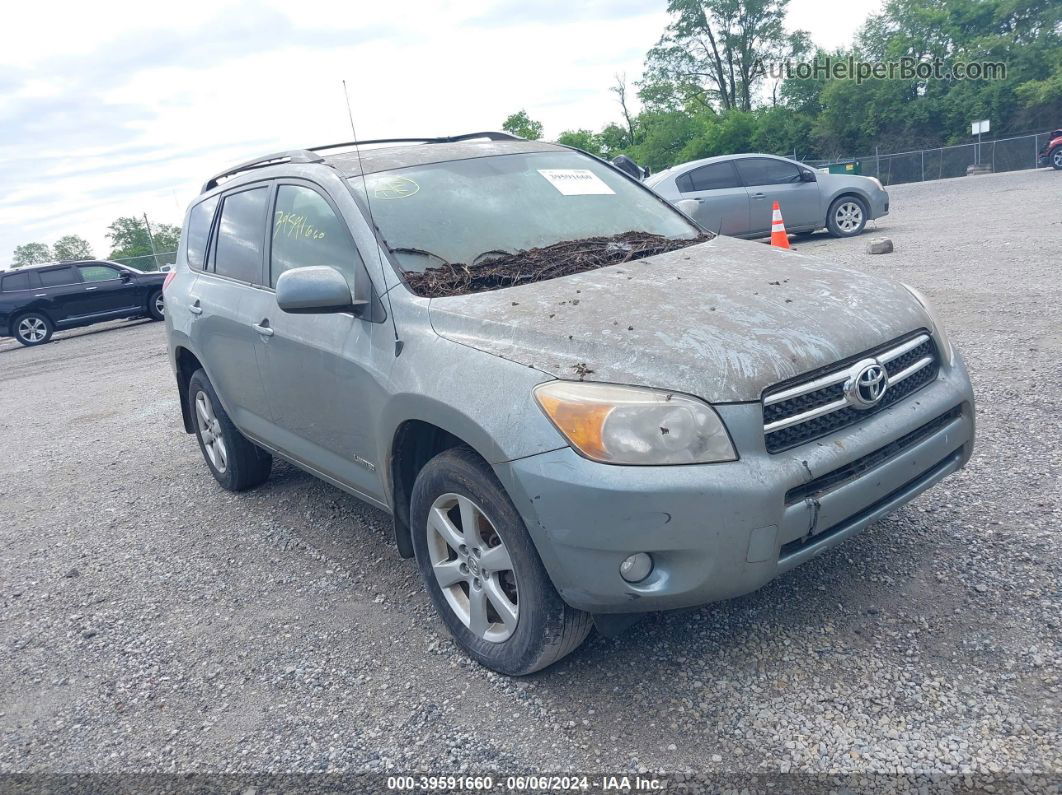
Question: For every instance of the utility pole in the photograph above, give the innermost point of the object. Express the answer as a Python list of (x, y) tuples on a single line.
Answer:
[(151, 238)]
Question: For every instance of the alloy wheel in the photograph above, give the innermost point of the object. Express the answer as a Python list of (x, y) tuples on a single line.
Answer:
[(1057, 158), (210, 432), (473, 567), (848, 216), (159, 304), (32, 329)]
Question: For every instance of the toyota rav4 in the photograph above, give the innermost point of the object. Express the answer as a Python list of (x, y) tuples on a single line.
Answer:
[(577, 404)]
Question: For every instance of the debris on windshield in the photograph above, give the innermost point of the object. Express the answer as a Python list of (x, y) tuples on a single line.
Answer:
[(539, 264)]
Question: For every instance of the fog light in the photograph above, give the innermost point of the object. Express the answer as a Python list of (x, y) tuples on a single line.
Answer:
[(637, 567)]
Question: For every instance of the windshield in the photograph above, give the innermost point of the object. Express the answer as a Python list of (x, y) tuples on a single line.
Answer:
[(475, 213)]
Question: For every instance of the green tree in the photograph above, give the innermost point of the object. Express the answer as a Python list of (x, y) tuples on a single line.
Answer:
[(614, 139), (521, 124), (72, 247), (713, 53), (1025, 35), (582, 139), (31, 254), (131, 243), (663, 134)]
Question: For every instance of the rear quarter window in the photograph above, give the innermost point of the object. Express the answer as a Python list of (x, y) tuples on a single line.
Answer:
[(199, 220), (18, 281)]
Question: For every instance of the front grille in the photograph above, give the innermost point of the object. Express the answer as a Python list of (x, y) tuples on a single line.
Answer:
[(854, 469), (796, 413)]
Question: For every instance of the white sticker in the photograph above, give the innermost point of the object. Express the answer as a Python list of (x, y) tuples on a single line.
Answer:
[(575, 181)]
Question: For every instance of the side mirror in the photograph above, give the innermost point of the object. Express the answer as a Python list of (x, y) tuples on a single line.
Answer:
[(125, 275), (316, 290), (807, 176)]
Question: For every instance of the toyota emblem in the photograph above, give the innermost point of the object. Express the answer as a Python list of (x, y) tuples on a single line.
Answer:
[(866, 387)]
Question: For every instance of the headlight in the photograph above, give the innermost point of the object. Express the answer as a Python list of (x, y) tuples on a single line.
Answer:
[(938, 328), (632, 425)]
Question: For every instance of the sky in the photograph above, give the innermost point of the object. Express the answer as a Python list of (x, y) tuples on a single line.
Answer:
[(121, 107)]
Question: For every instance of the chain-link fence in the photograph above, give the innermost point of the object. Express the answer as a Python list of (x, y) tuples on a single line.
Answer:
[(1002, 154)]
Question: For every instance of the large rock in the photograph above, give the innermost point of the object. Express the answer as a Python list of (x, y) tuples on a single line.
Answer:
[(879, 245)]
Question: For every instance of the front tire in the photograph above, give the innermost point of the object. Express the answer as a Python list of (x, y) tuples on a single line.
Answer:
[(1055, 158), (156, 306), (234, 461), (482, 572), (33, 328), (847, 217)]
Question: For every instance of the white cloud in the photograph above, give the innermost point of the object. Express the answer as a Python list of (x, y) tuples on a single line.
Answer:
[(120, 108)]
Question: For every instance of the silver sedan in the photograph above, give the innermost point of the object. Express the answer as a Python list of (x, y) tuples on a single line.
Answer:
[(733, 195)]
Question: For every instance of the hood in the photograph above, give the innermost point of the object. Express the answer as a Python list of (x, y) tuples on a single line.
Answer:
[(722, 320)]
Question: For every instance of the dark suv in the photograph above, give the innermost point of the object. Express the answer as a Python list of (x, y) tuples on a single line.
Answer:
[(37, 301)]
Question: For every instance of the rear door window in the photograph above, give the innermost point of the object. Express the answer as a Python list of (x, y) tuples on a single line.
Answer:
[(307, 232), (19, 281), (238, 254), (710, 177), (767, 171), (98, 273), (199, 221), (58, 277)]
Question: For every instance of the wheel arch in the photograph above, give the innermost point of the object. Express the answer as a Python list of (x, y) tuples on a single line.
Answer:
[(32, 309), (421, 430), (186, 363)]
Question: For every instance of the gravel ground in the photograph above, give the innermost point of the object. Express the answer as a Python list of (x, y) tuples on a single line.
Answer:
[(151, 621)]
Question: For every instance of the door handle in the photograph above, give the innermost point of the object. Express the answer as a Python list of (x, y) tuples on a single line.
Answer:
[(263, 328), (758, 195), (195, 308)]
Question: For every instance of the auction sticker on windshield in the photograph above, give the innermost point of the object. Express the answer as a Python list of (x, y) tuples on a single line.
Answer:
[(575, 181)]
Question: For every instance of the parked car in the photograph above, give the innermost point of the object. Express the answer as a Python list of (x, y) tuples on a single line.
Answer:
[(1051, 154), (735, 193), (36, 301), (608, 411)]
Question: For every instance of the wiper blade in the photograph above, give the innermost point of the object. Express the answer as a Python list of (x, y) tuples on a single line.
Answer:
[(420, 252)]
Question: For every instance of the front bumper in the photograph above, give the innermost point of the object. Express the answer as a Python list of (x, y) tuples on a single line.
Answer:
[(716, 531), (879, 204)]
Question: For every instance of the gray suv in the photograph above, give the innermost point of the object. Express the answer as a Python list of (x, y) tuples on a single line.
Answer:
[(577, 404)]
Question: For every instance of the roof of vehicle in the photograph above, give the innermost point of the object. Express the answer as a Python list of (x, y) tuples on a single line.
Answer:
[(659, 177), (369, 157), (40, 265)]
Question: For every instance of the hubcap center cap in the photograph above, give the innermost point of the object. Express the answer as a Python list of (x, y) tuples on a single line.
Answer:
[(473, 566)]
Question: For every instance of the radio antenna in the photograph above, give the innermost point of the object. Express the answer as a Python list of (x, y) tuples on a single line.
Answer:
[(368, 206)]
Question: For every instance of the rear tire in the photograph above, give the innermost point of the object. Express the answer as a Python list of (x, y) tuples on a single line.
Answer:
[(1055, 158), (32, 328), (521, 624), (847, 216), (235, 462), (155, 305)]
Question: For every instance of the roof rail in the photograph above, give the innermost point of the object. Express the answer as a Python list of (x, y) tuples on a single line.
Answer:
[(446, 139), (293, 156), (310, 155)]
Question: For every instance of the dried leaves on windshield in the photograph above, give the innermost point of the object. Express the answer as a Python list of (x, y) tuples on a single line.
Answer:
[(539, 264)]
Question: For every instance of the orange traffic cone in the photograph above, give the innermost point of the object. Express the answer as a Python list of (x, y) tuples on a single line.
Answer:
[(779, 239)]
